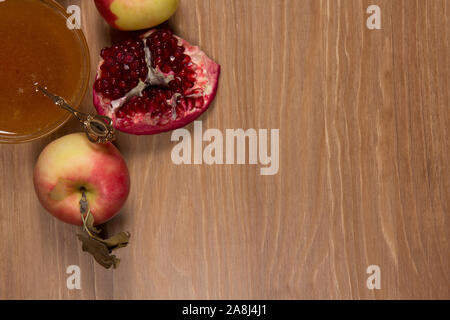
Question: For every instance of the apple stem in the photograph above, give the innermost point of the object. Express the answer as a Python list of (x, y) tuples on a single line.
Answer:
[(85, 211), (83, 202)]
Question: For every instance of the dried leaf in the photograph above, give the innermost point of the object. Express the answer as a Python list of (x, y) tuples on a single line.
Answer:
[(99, 251), (94, 244), (118, 241), (89, 224)]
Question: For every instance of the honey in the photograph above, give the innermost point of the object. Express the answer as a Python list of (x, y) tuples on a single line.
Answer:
[(37, 47)]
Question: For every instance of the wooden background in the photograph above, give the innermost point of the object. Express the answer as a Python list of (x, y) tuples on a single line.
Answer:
[(364, 166)]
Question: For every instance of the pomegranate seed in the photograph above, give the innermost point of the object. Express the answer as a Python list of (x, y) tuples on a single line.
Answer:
[(120, 56), (143, 72), (176, 68), (177, 56), (188, 85), (163, 106), (104, 53), (123, 84), (173, 43), (168, 94), (135, 65), (112, 82), (191, 75), (166, 68), (180, 49), (115, 69), (104, 84), (173, 84), (129, 58), (166, 54), (191, 103), (117, 93), (134, 74), (109, 61), (97, 86), (166, 35), (121, 114), (186, 60)]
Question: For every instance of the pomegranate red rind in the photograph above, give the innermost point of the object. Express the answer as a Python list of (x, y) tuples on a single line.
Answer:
[(154, 84)]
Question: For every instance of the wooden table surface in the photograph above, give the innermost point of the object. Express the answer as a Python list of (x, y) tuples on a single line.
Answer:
[(364, 173)]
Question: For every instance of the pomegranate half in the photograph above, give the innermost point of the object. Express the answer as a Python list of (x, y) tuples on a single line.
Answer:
[(154, 83)]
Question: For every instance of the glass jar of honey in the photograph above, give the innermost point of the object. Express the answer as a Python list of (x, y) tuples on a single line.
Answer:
[(38, 47)]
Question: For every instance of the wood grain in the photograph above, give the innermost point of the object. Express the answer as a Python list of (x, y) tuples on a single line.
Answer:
[(364, 166)]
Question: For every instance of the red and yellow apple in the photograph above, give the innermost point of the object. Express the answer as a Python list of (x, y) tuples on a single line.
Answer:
[(136, 14), (72, 164)]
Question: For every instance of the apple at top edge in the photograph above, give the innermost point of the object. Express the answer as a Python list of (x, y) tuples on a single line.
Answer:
[(132, 15), (72, 164)]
